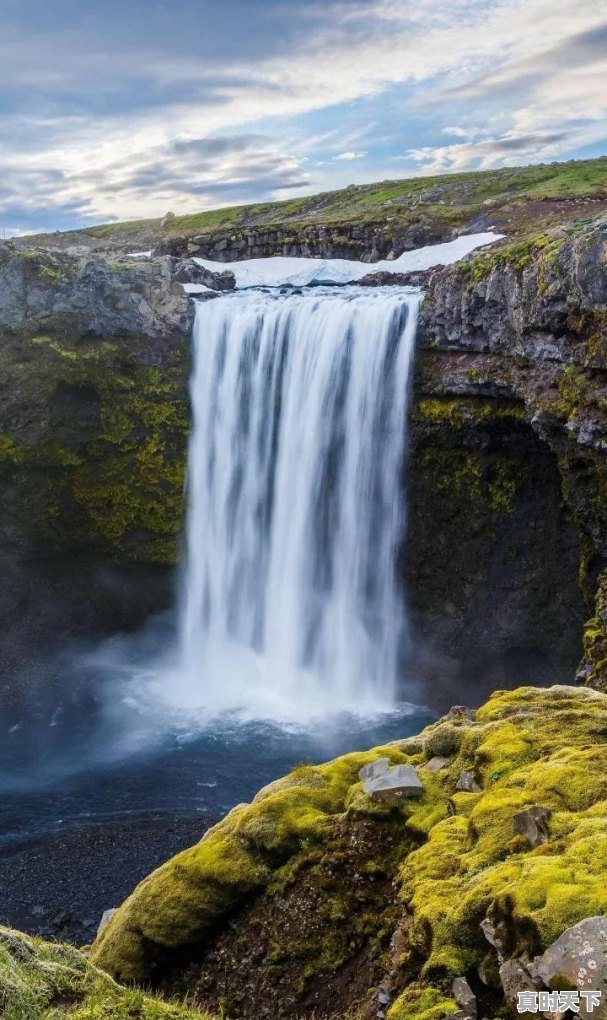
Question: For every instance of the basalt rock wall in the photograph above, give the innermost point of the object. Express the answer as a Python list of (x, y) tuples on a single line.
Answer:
[(508, 522), (366, 242), (94, 363)]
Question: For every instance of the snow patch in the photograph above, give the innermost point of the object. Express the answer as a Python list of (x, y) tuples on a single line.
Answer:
[(300, 272)]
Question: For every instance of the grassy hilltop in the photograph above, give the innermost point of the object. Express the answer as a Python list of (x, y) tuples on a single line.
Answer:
[(509, 199)]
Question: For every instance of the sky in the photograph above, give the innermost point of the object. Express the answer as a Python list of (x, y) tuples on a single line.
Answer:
[(132, 108)]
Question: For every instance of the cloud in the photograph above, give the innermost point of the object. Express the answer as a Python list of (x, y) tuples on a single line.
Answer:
[(486, 153), (136, 107), (457, 132), (349, 156)]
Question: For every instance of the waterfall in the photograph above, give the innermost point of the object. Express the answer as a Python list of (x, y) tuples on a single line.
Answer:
[(291, 605)]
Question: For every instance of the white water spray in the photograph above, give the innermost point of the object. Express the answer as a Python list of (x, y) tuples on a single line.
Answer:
[(291, 607)]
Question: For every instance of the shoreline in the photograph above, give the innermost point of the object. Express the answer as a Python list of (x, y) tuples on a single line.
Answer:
[(59, 885)]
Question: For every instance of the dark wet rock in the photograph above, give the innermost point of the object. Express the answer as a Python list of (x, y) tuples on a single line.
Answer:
[(384, 278), (189, 271), (508, 419), (532, 824), (88, 295), (94, 418), (364, 242)]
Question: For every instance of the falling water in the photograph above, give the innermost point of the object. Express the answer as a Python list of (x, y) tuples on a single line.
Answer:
[(291, 604)]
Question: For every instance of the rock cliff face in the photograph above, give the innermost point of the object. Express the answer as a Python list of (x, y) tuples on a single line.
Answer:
[(94, 362), (366, 242), (507, 537), (513, 361)]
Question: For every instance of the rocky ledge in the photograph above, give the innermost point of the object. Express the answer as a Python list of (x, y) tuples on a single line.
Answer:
[(446, 898)]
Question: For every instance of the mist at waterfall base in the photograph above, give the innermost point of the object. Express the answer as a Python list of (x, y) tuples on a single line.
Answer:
[(290, 635)]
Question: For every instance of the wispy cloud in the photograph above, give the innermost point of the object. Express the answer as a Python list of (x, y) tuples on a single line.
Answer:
[(349, 156), (128, 110)]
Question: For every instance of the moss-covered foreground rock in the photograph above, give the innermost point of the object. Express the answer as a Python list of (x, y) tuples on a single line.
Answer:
[(40, 981), (315, 900)]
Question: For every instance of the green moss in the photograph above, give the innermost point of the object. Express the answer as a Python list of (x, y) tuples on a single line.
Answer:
[(119, 466), (48, 267), (595, 640), (183, 901), (517, 254), (9, 451), (485, 483), (524, 754), (460, 413), (454, 859), (422, 1002), (40, 981)]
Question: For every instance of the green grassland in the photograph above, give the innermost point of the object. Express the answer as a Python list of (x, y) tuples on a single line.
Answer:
[(510, 199)]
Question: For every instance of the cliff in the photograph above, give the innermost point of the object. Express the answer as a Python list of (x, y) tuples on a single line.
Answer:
[(507, 513), (513, 362), (94, 363)]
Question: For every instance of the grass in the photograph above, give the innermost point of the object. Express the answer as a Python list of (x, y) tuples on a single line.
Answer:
[(507, 196), (44, 981)]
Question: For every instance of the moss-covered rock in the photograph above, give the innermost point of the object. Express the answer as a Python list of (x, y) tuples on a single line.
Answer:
[(520, 325), (94, 414), (593, 670), (313, 899), (489, 601), (40, 981)]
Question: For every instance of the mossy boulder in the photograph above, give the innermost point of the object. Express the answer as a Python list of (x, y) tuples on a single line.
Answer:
[(314, 898), (43, 981)]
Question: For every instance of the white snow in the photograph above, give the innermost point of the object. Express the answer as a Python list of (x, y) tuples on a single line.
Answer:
[(139, 255), (197, 288), (299, 272)]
